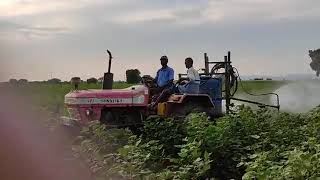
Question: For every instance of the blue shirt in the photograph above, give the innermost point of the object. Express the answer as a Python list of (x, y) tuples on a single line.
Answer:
[(164, 76)]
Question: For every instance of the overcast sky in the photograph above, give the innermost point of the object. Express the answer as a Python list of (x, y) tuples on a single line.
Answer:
[(64, 38)]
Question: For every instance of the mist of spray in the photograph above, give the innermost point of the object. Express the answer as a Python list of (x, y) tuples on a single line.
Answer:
[(299, 96)]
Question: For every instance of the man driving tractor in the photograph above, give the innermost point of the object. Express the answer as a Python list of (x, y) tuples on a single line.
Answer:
[(165, 75), (164, 80)]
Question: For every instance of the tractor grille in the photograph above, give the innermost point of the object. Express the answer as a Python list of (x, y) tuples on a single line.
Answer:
[(74, 113)]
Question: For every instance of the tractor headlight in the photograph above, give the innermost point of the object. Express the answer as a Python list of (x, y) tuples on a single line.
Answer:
[(89, 112)]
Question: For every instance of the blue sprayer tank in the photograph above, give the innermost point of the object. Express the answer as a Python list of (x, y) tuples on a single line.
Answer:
[(213, 87)]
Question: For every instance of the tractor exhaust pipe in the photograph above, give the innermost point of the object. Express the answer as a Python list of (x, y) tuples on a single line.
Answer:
[(108, 77)]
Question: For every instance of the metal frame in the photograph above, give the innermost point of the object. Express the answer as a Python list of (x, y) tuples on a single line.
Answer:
[(227, 97)]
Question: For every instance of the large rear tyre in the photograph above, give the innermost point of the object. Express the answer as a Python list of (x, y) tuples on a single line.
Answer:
[(183, 110)]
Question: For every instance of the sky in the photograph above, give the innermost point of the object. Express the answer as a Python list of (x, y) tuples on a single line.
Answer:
[(41, 39)]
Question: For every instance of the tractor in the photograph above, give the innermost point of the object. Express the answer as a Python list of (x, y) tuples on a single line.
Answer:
[(129, 107)]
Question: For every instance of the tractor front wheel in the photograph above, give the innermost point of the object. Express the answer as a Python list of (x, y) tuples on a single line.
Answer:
[(122, 117)]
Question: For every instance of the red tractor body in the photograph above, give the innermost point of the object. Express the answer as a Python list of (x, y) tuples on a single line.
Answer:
[(88, 105), (129, 107)]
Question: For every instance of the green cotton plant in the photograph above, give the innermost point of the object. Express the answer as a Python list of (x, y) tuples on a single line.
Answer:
[(151, 155), (109, 140), (294, 150), (247, 144), (196, 124), (313, 125), (300, 163), (237, 138), (139, 159), (97, 145), (167, 131), (192, 162)]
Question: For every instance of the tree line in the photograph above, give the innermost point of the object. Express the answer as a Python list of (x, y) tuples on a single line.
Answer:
[(132, 77)]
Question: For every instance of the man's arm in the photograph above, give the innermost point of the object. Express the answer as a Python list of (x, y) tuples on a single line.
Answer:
[(156, 78), (171, 76)]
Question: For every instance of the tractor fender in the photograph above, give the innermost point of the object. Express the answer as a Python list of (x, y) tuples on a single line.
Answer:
[(185, 98), (184, 103)]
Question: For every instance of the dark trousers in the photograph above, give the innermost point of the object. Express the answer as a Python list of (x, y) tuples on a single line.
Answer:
[(161, 94)]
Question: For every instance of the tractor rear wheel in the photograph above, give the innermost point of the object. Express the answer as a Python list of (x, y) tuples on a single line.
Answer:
[(183, 110)]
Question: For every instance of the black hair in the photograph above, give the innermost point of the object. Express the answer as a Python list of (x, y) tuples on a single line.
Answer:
[(189, 59), (164, 58)]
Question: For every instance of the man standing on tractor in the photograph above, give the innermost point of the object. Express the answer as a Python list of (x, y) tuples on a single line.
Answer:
[(164, 80), (190, 84)]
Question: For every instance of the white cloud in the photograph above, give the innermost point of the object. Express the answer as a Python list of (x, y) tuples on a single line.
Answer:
[(77, 30), (10, 8), (178, 13), (29, 19), (17, 8), (181, 15), (144, 11), (143, 16), (248, 10), (224, 11)]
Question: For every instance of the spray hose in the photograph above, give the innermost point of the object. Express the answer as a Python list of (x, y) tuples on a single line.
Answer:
[(234, 77), (235, 80), (254, 94)]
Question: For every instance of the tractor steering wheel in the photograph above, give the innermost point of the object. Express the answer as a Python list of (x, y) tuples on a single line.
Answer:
[(148, 81), (181, 81)]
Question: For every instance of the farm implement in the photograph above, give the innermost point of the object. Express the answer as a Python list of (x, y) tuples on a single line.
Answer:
[(130, 106)]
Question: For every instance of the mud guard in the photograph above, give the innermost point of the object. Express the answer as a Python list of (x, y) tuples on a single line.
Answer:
[(182, 105)]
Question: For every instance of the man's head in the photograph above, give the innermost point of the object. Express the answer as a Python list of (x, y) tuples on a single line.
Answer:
[(164, 61), (188, 62)]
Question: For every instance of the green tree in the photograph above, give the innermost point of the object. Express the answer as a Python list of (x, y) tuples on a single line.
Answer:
[(133, 76), (54, 81), (92, 80), (13, 81), (22, 81)]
